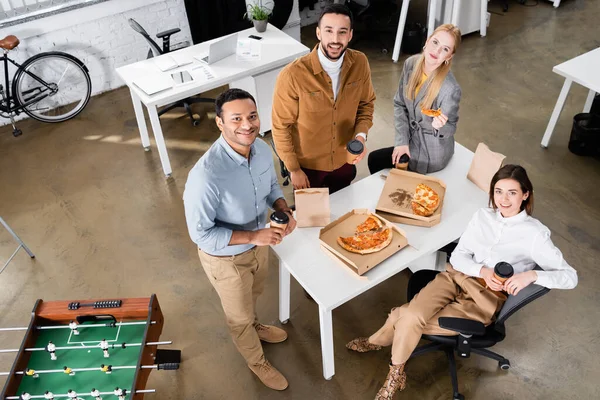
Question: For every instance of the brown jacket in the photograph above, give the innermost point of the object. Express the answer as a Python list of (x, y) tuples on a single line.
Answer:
[(310, 130)]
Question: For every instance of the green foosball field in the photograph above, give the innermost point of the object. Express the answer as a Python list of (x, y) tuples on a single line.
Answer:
[(67, 360)]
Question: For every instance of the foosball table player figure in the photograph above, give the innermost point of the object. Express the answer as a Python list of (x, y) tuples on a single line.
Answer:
[(66, 346)]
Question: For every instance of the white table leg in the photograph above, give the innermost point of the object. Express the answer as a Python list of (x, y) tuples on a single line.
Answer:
[(141, 121), (483, 16), (556, 3), (284, 293), (327, 342), (160, 140), (560, 103), (400, 31), (588, 102), (431, 17)]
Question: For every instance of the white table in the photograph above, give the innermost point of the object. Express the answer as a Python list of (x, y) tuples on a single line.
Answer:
[(585, 70), (331, 284), (256, 77), (432, 7)]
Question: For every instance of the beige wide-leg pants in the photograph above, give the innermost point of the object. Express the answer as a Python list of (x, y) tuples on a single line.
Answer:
[(450, 294)]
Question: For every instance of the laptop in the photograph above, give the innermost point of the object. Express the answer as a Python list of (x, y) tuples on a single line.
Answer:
[(219, 49)]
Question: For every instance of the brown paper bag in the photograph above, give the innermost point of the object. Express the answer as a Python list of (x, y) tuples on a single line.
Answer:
[(312, 207), (483, 167)]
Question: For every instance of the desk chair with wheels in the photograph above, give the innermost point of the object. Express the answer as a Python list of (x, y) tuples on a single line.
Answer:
[(155, 51), (472, 336)]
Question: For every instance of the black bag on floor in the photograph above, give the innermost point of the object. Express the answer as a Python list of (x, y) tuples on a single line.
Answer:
[(585, 135)]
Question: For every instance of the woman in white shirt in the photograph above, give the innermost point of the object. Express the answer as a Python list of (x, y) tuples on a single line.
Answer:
[(468, 288)]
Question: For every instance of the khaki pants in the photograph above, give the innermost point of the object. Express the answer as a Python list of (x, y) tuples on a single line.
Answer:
[(450, 294), (239, 280)]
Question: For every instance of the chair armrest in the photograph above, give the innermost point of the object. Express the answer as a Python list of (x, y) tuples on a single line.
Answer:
[(462, 325), (167, 33)]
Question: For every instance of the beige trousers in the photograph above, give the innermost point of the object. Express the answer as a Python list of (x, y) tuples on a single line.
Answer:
[(450, 294), (239, 280)]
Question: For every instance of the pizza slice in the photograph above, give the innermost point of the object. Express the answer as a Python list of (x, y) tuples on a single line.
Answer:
[(418, 209), (371, 224), (431, 113), (367, 242), (426, 197)]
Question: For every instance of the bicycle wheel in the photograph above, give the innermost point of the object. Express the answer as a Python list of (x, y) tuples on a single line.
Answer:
[(52, 86)]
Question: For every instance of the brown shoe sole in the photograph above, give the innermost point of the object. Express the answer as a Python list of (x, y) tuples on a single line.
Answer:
[(277, 341)]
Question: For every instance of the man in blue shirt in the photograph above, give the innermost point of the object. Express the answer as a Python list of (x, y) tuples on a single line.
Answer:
[(226, 198)]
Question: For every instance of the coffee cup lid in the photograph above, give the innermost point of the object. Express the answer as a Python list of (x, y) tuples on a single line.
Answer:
[(504, 270), (404, 158), (280, 217), (355, 146)]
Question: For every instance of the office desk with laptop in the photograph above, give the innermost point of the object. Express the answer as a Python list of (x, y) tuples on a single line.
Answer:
[(174, 76)]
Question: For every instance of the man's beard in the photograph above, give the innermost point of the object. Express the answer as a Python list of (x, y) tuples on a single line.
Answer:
[(342, 51)]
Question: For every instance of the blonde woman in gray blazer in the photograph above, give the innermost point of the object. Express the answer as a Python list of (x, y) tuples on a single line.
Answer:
[(426, 84)]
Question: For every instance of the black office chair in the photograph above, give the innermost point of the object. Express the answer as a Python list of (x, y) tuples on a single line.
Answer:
[(285, 174), (154, 51), (375, 20), (473, 335)]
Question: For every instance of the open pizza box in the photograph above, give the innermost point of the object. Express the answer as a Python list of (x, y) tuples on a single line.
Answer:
[(345, 226), (395, 200)]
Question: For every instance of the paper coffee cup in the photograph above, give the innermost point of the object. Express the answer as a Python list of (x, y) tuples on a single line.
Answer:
[(503, 271), (403, 162), (354, 149), (280, 220)]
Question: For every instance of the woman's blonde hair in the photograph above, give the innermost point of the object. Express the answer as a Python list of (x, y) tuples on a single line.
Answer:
[(436, 79)]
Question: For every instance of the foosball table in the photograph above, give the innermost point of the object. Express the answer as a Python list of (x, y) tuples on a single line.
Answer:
[(93, 349)]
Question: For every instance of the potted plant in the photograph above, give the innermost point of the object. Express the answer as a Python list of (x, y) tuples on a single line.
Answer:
[(259, 15)]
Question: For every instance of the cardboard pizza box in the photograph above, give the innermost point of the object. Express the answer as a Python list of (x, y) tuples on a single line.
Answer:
[(409, 221), (397, 194), (345, 226)]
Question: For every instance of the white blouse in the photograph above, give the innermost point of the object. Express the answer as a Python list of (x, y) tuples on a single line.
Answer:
[(521, 241)]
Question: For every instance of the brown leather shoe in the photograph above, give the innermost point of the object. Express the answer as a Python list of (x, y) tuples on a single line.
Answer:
[(395, 381), (362, 345), (270, 334), (269, 375)]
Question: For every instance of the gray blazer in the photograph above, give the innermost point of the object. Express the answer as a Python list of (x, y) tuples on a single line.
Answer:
[(430, 149)]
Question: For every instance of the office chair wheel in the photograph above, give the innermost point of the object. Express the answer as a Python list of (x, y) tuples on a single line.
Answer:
[(384, 51), (195, 122), (17, 132), (504, 364), (458, 396), (505, 8)]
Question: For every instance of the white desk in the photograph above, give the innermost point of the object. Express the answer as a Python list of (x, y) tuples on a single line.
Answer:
[(584, 70), (331, 284), (431, 11), (256, 77)]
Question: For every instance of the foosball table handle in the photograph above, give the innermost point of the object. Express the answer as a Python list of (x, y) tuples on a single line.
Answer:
[(168, 366)]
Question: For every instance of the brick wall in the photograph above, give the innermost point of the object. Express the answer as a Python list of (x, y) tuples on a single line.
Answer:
[(109, 42), (309, 16)]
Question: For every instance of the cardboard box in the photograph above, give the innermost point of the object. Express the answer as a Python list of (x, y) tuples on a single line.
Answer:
[(408, 221), (346, 226), (397, 193)]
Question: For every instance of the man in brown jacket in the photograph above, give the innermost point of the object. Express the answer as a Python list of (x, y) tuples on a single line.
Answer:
[(321, 102)]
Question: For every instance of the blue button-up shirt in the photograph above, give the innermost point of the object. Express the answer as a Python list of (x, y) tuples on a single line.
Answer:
[(225, 192)]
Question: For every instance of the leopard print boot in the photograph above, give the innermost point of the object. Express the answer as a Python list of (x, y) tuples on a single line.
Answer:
[(395, 381)]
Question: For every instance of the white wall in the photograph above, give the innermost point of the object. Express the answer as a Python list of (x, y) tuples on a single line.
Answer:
[(309, 17), (101, 37)]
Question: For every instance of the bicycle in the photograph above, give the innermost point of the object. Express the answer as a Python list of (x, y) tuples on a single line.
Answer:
[(49, 87)]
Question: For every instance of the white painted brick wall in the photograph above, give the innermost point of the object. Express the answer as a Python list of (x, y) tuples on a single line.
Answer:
[(309, 17), (107, 43)]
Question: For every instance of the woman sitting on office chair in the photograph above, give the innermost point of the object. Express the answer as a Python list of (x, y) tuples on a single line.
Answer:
[(505, 232), (426, 84)]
